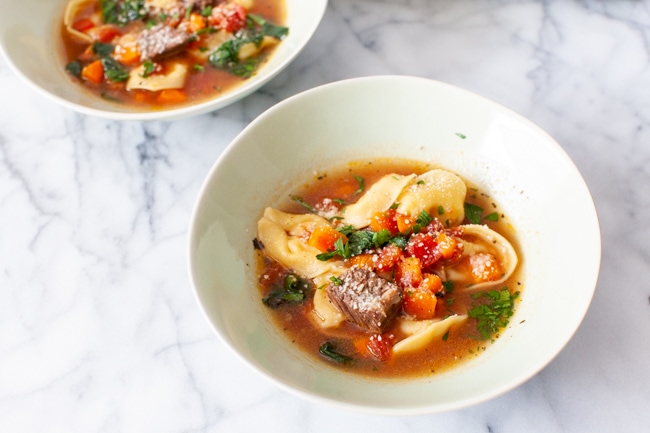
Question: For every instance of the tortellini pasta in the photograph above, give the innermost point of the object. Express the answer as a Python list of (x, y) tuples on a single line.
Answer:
[(432, 190), (378, 198), (284, 238), (423, 332), (173, 79)]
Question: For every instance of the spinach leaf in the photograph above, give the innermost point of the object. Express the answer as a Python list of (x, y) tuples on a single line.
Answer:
[(74, 68), (327, 349), (121, 12), (113, 70), (293, 291)]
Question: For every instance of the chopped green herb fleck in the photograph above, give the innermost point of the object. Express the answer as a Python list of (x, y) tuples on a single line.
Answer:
[(303, 203), (362, 184), (495, 313), (494, 216)]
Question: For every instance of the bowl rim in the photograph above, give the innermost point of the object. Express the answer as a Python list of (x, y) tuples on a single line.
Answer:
[(592, 278)]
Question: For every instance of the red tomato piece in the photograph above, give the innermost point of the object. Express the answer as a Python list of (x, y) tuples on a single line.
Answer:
[(424, 247), (384, 221), (230, 17), (378, 346), (387, 258), (83, 24)]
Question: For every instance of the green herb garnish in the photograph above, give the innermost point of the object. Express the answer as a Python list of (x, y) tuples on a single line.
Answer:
[(303, 203), (121, 12), (362, 185), (494, 216), (74, 68), (149, 67), (327, 349), (102, 49), (495, 313), (474, 213), (292, 291), (340, 249), (113, 70)]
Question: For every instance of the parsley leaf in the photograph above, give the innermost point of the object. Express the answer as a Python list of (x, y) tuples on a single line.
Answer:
[(362, 185), (303, 203), (340, 249), (121, 12), (495, 313), (473, 213), (494, 216)]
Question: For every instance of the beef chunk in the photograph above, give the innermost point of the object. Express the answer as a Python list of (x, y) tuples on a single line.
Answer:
[(160, 41), (365, 298)]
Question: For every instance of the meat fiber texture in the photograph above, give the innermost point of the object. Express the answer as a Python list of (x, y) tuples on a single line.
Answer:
[(365, 298)]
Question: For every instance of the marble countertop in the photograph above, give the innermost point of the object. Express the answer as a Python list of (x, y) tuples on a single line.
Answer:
[(99, 330)]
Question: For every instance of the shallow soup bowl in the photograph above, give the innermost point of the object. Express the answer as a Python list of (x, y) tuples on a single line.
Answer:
[(521, 167), (30, 39)]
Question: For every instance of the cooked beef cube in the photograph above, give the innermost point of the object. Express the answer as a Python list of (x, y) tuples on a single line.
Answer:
[(160, 41), (365, 298)]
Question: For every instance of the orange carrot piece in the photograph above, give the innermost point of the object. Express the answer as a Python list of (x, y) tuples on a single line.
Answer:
[(197, 22), (363, 261), (405, 223), (325, 237), (419, 303), (93, 72), (171, 96), (408, 272), (128, 55), (431, 282)]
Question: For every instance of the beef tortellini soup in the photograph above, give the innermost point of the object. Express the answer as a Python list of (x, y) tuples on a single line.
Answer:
[(164, 53), (388, 268)]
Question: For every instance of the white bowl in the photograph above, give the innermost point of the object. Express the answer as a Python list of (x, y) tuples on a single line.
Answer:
[(29, 39), (523, 168)]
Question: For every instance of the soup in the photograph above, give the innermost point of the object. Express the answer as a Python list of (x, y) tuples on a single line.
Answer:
[(166, 53), (388, 268)]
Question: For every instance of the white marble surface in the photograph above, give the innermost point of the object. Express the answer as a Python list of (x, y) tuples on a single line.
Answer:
[(99, 331)]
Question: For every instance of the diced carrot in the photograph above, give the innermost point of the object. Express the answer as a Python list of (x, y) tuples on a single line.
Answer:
[(405, 223), (197, 22), (419, 303), (83, 24), (142, 95), (447, 245), (384, 221), (363, 261), (324, 238), (388, 257), (171, 96), (128, 55), (485, 267), (408, 272), (431, 282), (93, 72)]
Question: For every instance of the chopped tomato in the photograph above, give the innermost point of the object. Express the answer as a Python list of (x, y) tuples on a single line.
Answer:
[(388, 257), (83, 24), (378, 346), (419, 303), (93, 72), (408, 272), (384, 221), (230, 17), (424, 247), (324, 238), (106, 33)]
